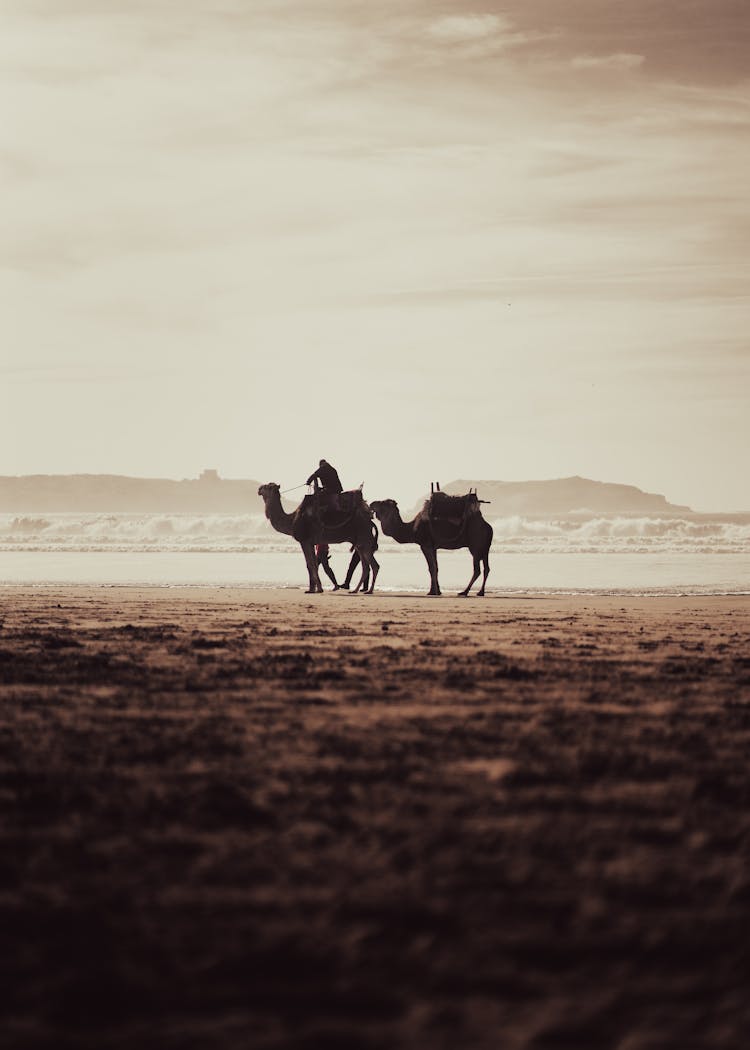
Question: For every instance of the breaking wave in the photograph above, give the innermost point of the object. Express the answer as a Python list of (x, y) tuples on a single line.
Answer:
[(701, 534), (247, 533), (241, 533)]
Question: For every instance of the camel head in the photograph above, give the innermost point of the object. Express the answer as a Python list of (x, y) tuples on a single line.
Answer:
[(269, 490), (383, 508)]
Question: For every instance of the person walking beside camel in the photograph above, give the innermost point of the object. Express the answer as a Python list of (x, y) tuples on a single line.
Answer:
[(322, 552)]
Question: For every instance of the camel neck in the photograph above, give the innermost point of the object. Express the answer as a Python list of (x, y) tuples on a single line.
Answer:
[(399, 530), (278, 517)]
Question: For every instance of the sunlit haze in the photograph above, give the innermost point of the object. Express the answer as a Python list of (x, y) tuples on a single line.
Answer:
[(421, 240)]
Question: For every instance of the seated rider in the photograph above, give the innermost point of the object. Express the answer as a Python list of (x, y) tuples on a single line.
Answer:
[(329, 481)]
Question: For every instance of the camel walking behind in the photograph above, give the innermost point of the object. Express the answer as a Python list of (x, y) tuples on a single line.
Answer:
[(442, 525)]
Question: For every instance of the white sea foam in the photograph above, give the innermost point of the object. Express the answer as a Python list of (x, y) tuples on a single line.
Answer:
[(619, 535), (248, 533), (139, 532)]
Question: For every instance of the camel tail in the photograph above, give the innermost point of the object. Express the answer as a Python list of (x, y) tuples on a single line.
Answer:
[(375, 534)]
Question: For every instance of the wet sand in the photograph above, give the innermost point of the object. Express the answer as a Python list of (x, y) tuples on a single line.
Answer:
[(239, 819)]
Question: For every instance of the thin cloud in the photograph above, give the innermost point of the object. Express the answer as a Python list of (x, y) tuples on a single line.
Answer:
[(470, 36), (461, 28), (620, 60)]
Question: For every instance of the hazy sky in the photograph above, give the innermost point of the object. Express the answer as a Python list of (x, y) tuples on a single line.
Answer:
[(422, 240)]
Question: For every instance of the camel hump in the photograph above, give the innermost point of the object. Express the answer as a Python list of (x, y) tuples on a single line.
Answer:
[(336, 510), (441, 506), (352, 499)]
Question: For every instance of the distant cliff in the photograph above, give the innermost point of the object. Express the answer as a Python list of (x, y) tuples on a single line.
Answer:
[(565, 496), (113, 492), (212, 494)]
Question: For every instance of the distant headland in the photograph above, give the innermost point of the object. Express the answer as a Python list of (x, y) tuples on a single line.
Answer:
[(565, 496), (210, 493), (116, 493)]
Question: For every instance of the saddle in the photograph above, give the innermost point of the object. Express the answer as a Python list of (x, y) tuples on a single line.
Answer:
[(351, 500), (456, 509), (335, 510)]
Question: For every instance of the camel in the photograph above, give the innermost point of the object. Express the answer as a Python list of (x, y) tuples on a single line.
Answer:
[(307, 528), (433, 534)]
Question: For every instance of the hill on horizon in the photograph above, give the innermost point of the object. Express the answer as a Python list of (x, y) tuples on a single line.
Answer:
[(212, 494), (116, 492), (564, 496)]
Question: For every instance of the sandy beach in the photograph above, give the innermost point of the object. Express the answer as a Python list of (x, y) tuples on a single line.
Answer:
[(237, 818)]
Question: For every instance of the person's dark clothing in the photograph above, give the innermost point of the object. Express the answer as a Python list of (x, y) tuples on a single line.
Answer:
[(321, 556), (328, 478)]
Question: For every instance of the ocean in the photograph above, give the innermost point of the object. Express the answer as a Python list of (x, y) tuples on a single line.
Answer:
[(704, 554)]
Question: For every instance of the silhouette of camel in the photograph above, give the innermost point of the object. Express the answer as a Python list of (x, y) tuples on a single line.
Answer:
[(353, 563), (433, 534), (308, 527)]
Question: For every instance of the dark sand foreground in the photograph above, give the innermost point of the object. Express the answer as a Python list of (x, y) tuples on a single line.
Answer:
[(234, 819)]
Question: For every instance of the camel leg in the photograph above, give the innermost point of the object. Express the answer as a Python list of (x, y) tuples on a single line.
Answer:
[(310, 575), (375, 570), (316, 587), (465, 594), (367, 571), (486, 562), (350, 571), (316, 574), (431, 558), (364, 575)]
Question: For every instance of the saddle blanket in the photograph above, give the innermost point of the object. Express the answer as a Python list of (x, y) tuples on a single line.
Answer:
[(441, 506)]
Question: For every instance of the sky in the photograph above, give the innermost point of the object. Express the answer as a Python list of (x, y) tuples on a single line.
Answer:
[(424, 241)]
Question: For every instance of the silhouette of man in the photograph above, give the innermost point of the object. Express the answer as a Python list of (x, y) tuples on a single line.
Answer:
[(328, 478), (321, 556)]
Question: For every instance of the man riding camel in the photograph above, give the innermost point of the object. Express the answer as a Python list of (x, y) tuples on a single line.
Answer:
[(326, 481), (328, 478)]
